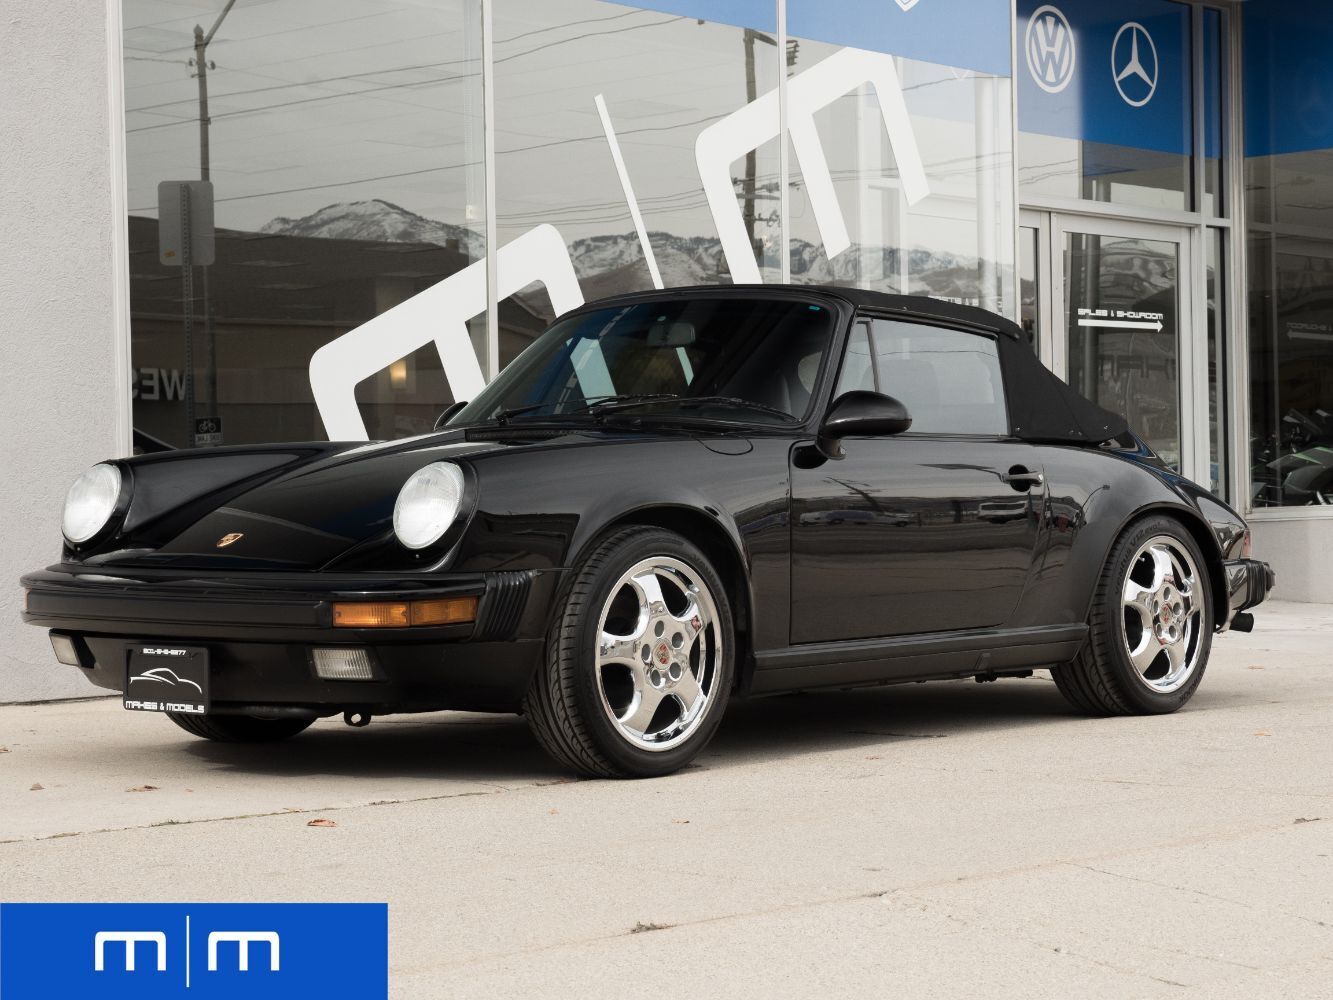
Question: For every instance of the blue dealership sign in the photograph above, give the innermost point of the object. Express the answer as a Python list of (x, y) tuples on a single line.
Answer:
[(1113, 73), (1288, 77), (197, 950), (965, 34)]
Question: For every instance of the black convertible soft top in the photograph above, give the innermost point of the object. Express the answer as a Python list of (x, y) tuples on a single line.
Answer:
[(1042, 407)]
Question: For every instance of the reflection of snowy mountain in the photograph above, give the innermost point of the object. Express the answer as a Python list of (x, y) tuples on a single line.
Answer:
[(683, 260), (379, 221)]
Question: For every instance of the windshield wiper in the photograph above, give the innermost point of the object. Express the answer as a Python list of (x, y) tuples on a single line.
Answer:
[(609, 404), (602, 405), (616, 404), (504, 416), (735, 403), (597, 404)]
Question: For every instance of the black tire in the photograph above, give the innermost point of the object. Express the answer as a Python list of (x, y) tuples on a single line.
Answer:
[(1102, 679), (564, 704), (239, 728)]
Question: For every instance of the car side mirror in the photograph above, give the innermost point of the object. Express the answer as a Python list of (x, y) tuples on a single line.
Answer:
[(861, 413), (449, 412)]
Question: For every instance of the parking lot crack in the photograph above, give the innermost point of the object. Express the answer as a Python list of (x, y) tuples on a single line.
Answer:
[(490, 790), (1196, 892)]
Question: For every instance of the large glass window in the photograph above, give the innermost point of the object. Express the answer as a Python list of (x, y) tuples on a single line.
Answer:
[(1029, 281), (1219, 456), (1104, 102), (344, 148), (914, 204), (1213, 57), (332, 276), (662, 77), (1289, 195)]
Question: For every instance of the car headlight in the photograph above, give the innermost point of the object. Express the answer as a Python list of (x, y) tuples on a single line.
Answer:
[(90, 503), (427, 504)]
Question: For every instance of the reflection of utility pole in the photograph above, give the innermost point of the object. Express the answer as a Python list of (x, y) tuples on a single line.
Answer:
[(751, 158), (749, 183), (201, 68)]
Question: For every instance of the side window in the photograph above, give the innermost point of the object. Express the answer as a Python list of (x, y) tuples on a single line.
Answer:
[(857, 372), (948, 380)]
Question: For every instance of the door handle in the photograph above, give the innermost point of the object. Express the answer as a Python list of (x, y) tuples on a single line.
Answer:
[(1022, 479)]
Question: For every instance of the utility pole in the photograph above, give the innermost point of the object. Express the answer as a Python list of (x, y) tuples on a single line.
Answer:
[(201, 40)]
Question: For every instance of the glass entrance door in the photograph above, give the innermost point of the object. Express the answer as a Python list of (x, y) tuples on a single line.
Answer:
[(1112, 307)]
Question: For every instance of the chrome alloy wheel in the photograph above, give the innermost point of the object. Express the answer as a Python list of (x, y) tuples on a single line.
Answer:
[(658, 653), (1163, 614)]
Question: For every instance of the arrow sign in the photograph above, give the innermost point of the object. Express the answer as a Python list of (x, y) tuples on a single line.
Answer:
[(1125, 324)]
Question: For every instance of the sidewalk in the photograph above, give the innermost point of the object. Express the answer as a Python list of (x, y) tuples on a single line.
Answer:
[(949, 839)]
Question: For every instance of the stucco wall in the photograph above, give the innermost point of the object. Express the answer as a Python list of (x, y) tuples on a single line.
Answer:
[(62, 405), (1299, 552)]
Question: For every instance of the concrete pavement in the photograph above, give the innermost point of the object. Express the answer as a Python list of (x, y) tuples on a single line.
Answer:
[(950, 840)]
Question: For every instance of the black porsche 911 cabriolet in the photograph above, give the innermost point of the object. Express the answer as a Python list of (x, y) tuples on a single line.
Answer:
[(668, 499)]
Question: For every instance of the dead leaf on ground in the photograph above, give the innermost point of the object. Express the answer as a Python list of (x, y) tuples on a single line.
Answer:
[(1262, 732), (680, 821), (641, 927), (321, 822), (1306, 819), (1254, 666), (553, 812), (4, 749), (142, 788), (35, 787)]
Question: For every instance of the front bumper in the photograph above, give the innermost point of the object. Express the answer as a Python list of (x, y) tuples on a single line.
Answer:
[(1249, 582), (260, 630)]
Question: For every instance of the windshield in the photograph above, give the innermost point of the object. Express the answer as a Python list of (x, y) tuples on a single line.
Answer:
[(724, 358)]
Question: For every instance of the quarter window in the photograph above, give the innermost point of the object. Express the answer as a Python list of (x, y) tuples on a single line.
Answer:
[(948, 380)]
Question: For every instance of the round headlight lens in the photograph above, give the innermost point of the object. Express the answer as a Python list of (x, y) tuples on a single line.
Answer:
[(90, 503), (427, 504)]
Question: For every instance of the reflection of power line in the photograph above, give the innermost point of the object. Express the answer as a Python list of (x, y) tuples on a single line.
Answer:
[(367, 73), (405, 86), (456, 166), (695, 197)]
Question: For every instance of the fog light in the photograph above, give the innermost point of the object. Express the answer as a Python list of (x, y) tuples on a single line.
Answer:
[(377, 615), (65, 650), (444, 611), (343, 663)]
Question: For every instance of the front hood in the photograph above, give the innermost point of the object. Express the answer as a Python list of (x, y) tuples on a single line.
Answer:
[(298, 507)]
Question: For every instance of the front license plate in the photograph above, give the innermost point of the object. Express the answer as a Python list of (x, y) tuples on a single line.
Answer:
[(163, 678)]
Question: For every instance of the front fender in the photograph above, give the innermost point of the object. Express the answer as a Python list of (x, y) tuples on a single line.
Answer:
[(728, 496), (1093, 498)]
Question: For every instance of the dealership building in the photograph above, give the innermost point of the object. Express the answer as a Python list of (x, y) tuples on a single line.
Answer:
[(273, 220)]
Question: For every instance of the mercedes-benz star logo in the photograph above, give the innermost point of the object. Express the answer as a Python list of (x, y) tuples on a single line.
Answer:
[(1049, 44), (1134, 64)]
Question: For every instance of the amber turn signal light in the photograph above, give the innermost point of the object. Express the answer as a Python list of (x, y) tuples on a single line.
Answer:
[(444, 611), (401, 614), (376, 615)]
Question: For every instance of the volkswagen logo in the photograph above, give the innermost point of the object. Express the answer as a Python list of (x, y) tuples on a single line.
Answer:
[(1049, 44), (1134, 64)]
